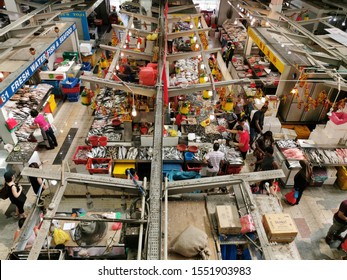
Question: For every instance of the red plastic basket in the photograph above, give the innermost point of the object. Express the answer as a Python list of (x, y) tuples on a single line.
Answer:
[(78, 160), (92, 170)]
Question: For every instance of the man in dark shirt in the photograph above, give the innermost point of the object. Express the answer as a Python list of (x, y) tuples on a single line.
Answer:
[(256, 125), (339, 224)]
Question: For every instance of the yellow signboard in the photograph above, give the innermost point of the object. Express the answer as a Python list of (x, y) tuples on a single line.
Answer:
[(267, 52)]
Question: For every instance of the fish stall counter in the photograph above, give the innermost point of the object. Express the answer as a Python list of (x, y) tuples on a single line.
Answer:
[(22, 155)]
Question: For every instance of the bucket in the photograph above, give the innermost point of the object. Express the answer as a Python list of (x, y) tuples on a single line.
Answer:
[(103, 141), (93, 140), (189, 155)]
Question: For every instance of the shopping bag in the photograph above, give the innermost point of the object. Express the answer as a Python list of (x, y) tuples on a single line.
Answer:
[(4, 192), (290, 197), (60, 236)]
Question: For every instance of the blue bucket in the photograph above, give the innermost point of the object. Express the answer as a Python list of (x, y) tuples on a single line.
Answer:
[(189, 156)]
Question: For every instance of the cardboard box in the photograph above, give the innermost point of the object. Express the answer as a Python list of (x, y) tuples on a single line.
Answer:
[(279, 227), (228, 219)]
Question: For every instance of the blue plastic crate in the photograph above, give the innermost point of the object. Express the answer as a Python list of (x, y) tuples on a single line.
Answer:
[(73, 97), (69, 82), (167, 167), (86, 66)]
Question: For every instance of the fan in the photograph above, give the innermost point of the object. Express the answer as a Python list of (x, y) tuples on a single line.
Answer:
[(90, 233)]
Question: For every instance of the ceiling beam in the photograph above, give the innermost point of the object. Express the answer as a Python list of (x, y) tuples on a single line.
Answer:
[(174, 35), (145, 18), (138, 31), (67, 5), (302, 39), (182, 8), (127, 87), (25, 18), (131, 53)]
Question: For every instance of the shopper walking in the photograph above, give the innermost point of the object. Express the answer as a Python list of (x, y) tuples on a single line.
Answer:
[(339, 224), (40, 122), (213, 160), (238, 107), (302, 179), (257, 123), (16, 194)]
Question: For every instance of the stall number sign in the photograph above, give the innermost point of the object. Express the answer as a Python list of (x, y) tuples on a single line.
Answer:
[(8, 92), (268, 53)]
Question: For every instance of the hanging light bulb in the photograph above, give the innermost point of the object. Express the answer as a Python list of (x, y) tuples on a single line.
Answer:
[(282, 45), (235, 22), (251, 17), (202, 66), (199, 56), (335, 18), (248, 14), (212, 117), (238, 5), (133, 111), (197, 45), (206, 79), (132, 26), (121, 54), (194, 38), (117, 67), (267, 23), (130, 33), (289, 52), (210, 93), (294, 90), (344, 23), (191, 26), (125, 46)]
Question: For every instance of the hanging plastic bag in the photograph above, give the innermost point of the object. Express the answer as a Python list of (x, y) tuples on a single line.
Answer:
[(290, 197), (60, 236)]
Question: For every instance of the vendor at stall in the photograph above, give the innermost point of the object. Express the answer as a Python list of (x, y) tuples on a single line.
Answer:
[(214, 160), (243, 143)]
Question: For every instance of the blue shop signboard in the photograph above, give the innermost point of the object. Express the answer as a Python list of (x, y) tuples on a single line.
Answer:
[(80, 19), (8, 92)]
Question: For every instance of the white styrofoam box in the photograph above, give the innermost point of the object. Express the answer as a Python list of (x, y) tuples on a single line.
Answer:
[(338, 127), (85, 47), (266, 127), (147, 140), (51, 75), (321, 137), (330, 181), (332, 130), (331, 171), (149, 46)]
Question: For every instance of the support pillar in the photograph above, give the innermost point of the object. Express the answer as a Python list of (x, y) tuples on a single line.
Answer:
[(276, 9)]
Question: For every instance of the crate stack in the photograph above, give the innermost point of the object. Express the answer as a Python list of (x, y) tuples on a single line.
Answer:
[(71, 88)]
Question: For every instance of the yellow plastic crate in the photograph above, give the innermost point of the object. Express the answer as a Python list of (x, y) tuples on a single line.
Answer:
[(121, 166), (52, 103)]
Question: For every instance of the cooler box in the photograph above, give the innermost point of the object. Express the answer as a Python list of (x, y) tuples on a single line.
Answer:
[(279, 227), (69, 82), (121, 166), (148, 76)]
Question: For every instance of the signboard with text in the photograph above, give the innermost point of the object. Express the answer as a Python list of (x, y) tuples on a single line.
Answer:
[(8, 92), (266, 50)]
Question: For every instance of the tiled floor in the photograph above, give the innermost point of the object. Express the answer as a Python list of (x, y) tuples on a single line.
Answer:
[(313, 215)]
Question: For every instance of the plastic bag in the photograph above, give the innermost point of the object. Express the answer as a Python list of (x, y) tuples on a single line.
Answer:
[(290, 197), (247, 224), (338, 118), (60, 236)]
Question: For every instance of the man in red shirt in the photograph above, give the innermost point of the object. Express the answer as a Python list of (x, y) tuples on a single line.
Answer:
[(339, 224), (244, 138)]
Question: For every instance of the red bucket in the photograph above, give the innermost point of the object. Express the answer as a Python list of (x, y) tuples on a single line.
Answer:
[(93, 140), (103, 141)]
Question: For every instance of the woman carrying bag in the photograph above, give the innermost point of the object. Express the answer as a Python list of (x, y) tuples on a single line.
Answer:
[(16, 194), (301, 181)]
